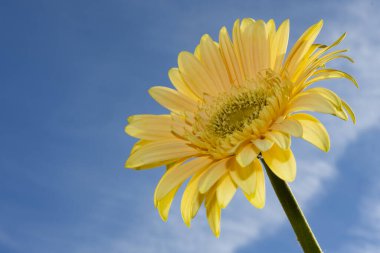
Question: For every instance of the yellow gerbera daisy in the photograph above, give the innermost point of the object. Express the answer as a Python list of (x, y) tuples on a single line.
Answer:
[(235, 102)]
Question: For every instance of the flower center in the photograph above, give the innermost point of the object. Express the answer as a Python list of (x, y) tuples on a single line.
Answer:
[(235, 112), (224, 121)]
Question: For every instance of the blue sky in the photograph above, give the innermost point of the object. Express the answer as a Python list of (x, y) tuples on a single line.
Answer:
[(73, 71)]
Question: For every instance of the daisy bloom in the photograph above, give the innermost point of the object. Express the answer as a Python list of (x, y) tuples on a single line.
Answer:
[(235, 104)]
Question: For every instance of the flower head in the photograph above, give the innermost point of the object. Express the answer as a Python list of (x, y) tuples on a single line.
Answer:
[(233, 102)]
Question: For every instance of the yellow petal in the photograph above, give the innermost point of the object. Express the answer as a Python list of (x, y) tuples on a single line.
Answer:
[(178, 82), (271, 27), (288, 126), (301, 47), (158, 153), (150, 127), (328, 94), (283, 140), (213, 174), (279, 46), (138, 145), (246, 23), (244, 176), (213, 213), (332, 56), (349, 110), (179, 124), (255, 45), (234, 70), (314, 103), (325, 49), (258, 199), (191, 199), (197, 52), (325, 74), (239, 48), (195, 75), (271, 30), (148, 117), (263, 144), (213, 216), (281, 162), (168, 167), (178, 174), (304, 65), (260, 46), (313, 66), (247, 32), (172, 99), (225, 191), (213, 62), (246, 155), (313, 131), (163, 205)]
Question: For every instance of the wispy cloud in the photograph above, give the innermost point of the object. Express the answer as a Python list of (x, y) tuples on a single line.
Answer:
[(364, 42)]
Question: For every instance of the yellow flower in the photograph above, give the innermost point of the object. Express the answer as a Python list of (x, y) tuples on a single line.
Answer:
[(234, 102)]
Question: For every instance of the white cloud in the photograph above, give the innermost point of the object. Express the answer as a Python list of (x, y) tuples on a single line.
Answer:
[(366, 233), (364, 42)]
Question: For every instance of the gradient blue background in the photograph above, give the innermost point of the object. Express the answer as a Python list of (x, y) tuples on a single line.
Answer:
[(71, 72)]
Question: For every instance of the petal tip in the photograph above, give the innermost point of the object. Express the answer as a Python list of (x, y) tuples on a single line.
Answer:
[(216, 233), (131, 163), (205, 37), (128, 164), (291, 179), (163, 217), (187, 223), (171, 70), (130, 118), (242, 162), (183, 54), (202, 189), (260, 205), (152, 90), (223, 30), (127, 130)]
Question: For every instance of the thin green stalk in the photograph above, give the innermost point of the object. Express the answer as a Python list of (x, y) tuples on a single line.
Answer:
[(294, 213)]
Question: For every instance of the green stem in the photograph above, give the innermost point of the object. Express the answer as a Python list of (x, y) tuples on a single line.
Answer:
[(294, 213)]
